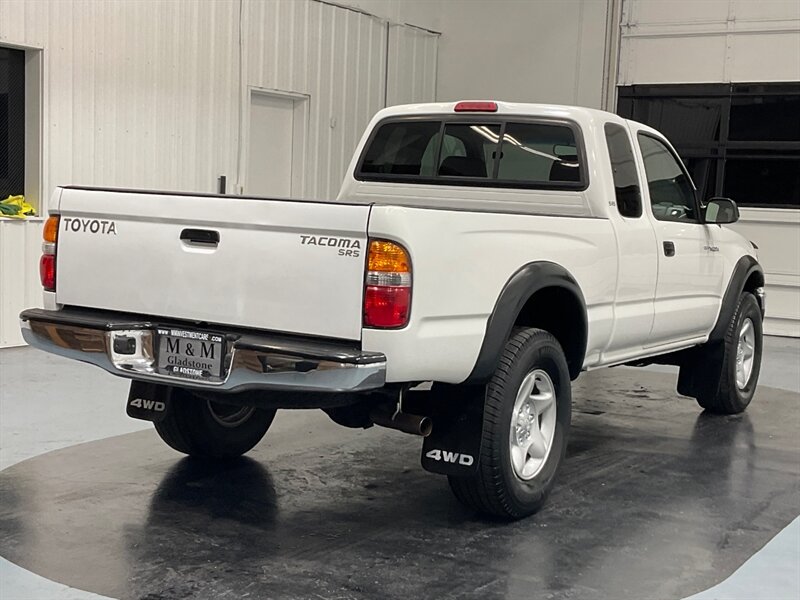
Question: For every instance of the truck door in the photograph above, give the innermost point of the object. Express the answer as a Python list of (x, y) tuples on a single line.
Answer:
[(638, 263), (688, 292)]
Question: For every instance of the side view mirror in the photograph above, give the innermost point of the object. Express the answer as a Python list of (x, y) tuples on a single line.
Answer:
[(719, 211)]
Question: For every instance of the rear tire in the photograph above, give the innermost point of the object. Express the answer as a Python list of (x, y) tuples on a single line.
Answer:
[(200, 427), (511, 481), (731, 386)]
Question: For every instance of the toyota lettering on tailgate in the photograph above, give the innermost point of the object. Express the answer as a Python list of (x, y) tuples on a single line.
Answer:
[(90, 226)]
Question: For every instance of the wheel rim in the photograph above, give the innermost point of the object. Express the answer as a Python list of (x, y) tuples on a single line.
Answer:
[(533, 424), (229, 415), (745, 353)]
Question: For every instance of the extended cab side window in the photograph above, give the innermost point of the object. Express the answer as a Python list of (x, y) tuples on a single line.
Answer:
[(671, 191), (623, 167)]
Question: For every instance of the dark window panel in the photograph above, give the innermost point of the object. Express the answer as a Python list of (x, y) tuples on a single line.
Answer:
[(759, 137), (12, 122), (753, 150), (765, 118), (670, 90), (760, 89), (763, 182), (704, 175), (625, 107), (699, 151), (682, 120)]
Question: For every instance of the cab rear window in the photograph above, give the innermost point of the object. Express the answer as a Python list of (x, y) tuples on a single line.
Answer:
[(474, 152)]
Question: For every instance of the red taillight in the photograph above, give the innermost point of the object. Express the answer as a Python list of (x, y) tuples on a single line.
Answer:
[(476, 107), (386, 306), (387, 291), (47, 271), (47, 264)]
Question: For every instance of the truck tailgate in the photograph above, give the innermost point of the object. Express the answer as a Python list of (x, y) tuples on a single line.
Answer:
[(280, 265)]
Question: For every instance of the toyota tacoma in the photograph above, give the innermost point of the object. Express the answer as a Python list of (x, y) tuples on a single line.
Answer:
[(478, 258)]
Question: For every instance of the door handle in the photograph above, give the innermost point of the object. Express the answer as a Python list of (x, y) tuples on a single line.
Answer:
[(669, 248), (200, 237)]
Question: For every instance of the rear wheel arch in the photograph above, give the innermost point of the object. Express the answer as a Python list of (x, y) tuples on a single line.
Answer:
[(541, 295)]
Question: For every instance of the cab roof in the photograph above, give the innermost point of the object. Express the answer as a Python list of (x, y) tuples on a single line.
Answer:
[(579, 114), (497, 107)]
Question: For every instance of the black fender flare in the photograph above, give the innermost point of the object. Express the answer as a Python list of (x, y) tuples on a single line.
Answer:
[(522, 285), (701, 366), (745, 267)]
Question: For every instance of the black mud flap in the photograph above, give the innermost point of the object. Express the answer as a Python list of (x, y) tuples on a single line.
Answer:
[(454, 445), (148, 401)]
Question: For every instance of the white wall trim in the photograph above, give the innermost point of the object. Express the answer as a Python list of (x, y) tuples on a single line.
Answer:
[(769, 215), (16, 45), (34, 130), (611, 60), (692, 29)]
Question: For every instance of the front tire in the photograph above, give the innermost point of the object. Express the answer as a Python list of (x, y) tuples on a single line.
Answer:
[(526, 421), (739, 357), (200, 427)]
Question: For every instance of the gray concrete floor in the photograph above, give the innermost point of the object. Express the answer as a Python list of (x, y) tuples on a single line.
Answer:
[(58, 403)]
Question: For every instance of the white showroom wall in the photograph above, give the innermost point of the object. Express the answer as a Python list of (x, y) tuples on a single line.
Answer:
[(727, 41), (154, 94), (549, 51)]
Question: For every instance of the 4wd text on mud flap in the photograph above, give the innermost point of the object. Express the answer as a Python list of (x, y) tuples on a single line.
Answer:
[(148, 404), (450, 457)]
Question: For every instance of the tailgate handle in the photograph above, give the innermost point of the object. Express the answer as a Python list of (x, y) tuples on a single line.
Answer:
[(206, 237)]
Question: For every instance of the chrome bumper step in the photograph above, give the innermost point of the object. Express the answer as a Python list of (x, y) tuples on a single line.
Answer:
[(253, 359)]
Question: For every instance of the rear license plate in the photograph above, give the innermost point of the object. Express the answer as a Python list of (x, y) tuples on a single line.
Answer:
[(190, 354)]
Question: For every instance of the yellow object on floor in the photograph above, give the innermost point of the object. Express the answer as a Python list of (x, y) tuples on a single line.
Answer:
[(15, 207)]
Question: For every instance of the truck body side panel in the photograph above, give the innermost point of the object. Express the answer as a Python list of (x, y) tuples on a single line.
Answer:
[(462, 260)]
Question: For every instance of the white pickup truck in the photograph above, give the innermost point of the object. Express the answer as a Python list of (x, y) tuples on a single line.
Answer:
[(495, 250)]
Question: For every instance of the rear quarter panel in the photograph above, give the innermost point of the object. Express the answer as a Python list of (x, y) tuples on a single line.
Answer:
[(461, 261)]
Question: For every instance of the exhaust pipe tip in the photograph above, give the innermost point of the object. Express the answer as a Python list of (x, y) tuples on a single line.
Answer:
[(405, 422), (425, 426)]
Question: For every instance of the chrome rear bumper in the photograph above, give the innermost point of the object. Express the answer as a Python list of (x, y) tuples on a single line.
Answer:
[(252, 359)]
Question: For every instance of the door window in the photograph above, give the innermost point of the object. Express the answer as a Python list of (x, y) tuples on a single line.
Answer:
[(671, 191)]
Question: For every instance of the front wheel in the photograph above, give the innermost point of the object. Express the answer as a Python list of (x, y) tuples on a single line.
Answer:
[(730, 388), (526, 421), (207, 429)]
